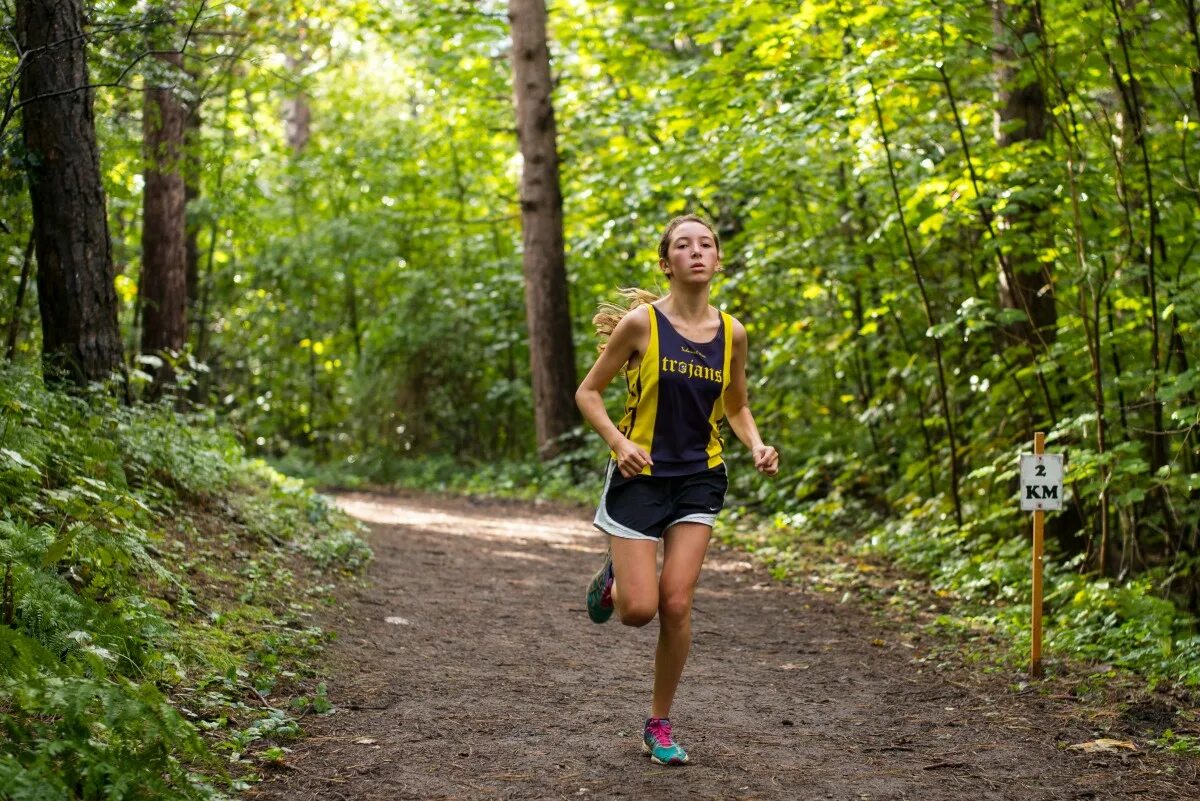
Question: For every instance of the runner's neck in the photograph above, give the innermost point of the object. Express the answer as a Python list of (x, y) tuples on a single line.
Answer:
[(690, 309)]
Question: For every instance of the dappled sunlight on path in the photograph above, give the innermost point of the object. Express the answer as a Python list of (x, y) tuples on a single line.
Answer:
[(520, 525)]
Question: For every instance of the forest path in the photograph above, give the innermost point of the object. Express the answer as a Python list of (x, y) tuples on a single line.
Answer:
[(467, 669)]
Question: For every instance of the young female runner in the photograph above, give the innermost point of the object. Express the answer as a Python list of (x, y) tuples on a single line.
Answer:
[(685, 365)]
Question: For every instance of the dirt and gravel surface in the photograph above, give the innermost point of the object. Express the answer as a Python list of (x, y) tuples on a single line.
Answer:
[(466, 668)]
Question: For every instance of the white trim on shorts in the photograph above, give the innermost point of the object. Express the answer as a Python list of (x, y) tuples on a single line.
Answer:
[(708, 520), (604, 521)]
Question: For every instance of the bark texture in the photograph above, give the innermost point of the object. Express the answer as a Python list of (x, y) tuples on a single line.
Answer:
[(164, 224), (1025, 282), (76, 297), (14, 325), (297, 110), (547, 309), (191, 180)]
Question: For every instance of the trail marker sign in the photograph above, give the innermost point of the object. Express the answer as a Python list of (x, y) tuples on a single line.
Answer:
[(1041, 490), (1041, 482)]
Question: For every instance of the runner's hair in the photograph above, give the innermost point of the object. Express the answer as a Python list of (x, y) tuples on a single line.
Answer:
[(610, 313)]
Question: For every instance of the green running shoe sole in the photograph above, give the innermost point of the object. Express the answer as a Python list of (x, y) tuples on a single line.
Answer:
[(672, 762)]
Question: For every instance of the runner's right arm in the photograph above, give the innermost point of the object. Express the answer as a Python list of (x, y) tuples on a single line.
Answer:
[(628, 339)]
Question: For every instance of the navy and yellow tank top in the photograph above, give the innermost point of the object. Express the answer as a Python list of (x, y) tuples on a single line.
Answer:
[(677, 398)]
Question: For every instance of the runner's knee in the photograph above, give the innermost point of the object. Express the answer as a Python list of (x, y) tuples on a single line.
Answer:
[(675, 607), (636, 614)]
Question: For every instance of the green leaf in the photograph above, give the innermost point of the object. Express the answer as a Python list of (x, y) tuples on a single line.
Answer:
[(20, 460)]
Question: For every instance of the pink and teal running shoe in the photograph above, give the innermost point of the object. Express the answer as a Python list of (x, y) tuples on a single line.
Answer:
[(660, 745), (599, 594)]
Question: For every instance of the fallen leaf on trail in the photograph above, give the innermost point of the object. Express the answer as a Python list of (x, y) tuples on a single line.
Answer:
[(878, 643), (1103, 744), (794, 666), (397, 621), (365, 741)]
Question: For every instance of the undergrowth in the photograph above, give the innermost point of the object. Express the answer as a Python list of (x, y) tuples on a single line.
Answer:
[(985, 566), (981, 575), (572, 477), (156, 597)]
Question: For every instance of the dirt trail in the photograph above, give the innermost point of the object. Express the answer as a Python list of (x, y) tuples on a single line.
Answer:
[(468, 670)]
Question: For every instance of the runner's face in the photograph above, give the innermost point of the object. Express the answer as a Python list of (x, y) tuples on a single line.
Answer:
[(692, 255)]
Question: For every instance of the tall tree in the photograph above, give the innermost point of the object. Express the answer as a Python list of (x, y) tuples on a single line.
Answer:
[(78, 302), (1025, 282), (163, 285), (297, 110), (547, 310), (191, 181)]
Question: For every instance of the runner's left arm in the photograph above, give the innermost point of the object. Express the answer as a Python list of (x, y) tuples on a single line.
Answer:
[(737, 407)]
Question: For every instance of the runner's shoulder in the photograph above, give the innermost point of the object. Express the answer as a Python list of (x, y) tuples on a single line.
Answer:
[(739, 330), (635, 323)]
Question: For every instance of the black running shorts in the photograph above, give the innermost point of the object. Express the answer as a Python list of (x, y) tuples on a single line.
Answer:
[(643, 507)]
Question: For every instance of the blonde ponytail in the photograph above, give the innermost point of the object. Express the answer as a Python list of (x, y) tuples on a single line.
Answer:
[(609, 314)]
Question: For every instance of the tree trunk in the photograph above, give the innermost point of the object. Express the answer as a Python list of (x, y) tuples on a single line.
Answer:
[(1025, 282), (547, 308), (191, 193), (297, 111), (76, 297), (163, 285), (1189, 7), (14, 325)]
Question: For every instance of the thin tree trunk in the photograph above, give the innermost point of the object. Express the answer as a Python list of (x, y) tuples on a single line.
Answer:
[(1133, 107), (205, 278), (1091, 331), (547, 306), (1071, 137), (987, 219), (78, 302), (861, 358), (163, 285), (191, 190), (1025, 282), (930, 317), (1189, 7), (14, 325), (298, 112), (352, 310)]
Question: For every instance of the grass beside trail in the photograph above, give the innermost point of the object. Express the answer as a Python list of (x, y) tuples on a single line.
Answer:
[(157, 597)]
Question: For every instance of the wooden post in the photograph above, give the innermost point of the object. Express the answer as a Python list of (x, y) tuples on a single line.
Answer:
[(1039, 516)]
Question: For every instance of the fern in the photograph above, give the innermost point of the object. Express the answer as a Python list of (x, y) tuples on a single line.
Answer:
[(87, 640), (78, 737)]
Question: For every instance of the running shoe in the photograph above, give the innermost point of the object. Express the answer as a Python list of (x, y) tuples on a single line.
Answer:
[(660, 745), (599, 594)]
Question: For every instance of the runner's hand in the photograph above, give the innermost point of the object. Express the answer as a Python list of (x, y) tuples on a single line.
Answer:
[(630, 458), (766, 460)]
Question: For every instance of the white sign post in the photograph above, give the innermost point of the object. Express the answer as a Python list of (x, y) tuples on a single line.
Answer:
[(1041, 490)]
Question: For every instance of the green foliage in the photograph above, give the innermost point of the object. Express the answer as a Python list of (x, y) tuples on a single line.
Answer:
[(572, 477), (116, 649), (82, 737), (363, 292)]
